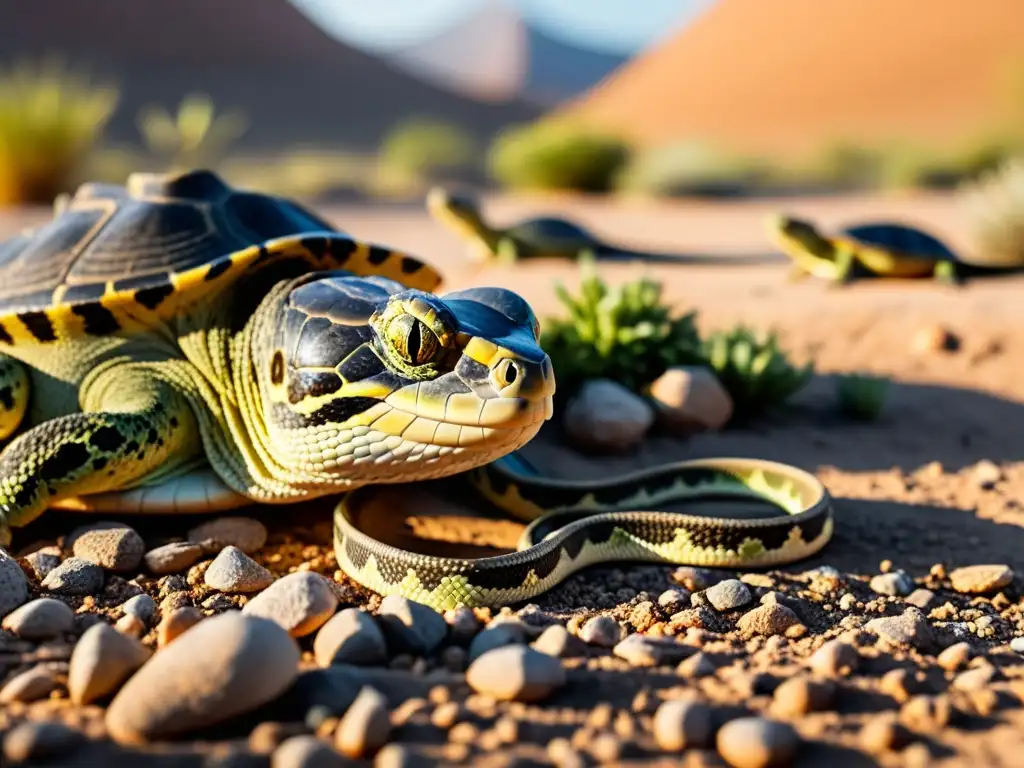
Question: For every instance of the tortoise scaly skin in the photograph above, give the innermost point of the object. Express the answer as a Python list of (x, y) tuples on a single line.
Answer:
[(872, 250), (179, 346)]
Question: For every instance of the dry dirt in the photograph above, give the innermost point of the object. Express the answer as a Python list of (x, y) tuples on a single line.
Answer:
[(906, 490)]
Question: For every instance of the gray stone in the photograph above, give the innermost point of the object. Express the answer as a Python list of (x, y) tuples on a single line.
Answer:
[(175, 557), (756, 742), (495, 636), (41, 619), (728, 595), (243, 532), (366, 725), (411, 627), (516, 672), (143, 607), (557, 641), (42, 561), (642, 651), (234, 571), (113, 546), (605, 416), (31, 685), (680, 724), (305, 751), (75, 576), (102, 660), (350, 636), (601, 630), (691, 399), (893, 584), (301, 602), (921, 598), (13, 584), (909, 628), (40, 742)]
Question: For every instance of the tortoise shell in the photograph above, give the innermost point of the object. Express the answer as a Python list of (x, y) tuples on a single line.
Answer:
[(115, 258), (902, 239)]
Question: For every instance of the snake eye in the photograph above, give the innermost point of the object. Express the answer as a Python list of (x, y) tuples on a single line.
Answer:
[(412, 339)]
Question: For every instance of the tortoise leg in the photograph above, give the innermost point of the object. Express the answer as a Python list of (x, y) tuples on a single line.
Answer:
[(135, 427), (846, 266), (14, 395), (948, 272)]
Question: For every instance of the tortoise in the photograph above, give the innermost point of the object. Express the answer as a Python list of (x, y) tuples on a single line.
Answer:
[(541, 237), (176, 345), (879, 249)]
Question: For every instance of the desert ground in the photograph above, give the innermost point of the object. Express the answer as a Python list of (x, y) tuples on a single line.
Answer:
[(936, 484)]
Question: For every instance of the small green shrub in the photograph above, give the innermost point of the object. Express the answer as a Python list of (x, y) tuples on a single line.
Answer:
[(556, 156), (994, 209), (51, 119), (195, 136), (687, 169), (420, 147), (754, 370), (622, 332), (861, 396)]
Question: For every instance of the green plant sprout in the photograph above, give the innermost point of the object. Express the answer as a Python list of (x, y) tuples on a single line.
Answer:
[(861, 396), (196, 136)]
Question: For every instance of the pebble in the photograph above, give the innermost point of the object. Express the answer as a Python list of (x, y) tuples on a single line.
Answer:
[(234, 571), (40, 619), (977, 579), (40, 742), (75, 576), (799, 695), (954, 657), (697, 666), (1017, 645), (893, 584), (13, 584), (243, 532), (882, 734), (516, 672), (755, 742), (921, 598), (926, 714), (225, 666), (835, 659), (606, 417), (606, 748), (557, 641), (696, 579), (642, 651), (770, 619), (601, 630), (729, 594), (909, 628), (399, 756), (680, 724), (31, 685), (173, 558), (141, 606), (305, 751), (366, 726), (102, 660), (974, 679), (42, 561), (350, 636), (176, 622), (847, 601), (464, 624), (411, 627), (496, 636), (691, 399), (986, 474), (674, 600), (301, 602), (455, 658), (130, 624), (113, 546)]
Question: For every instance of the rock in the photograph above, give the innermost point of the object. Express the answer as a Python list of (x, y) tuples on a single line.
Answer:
[(770, 619), (557, 641), (986, 474), (642, 651), (516, 672), (225, 666), (799, 695), (175, 557), (883, 733), (42, 561), (496, 636), (910, 628), (976, 679), (690, 399), (926, 714), (40, 742), (755, 742), (176, 622), (1017, 645), (921, 598), (601, 630), (835, 659), (234, 571), (366, 726), (41, 619), (350, 636), (727, 595), (399, 756), (31, 685), (113, 546), (305, 751), (893, 584), (142, 607), (411, 627), (954, 657), (102, 660), (606, 417), (697, 666), (13, 584), (464, 624), (674, 599), (243, 532), (75, 576), (978, 579), (301, 602), (680, 724), (130, 625)]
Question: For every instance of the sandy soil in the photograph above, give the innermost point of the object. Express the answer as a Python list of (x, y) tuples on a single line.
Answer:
[(906, 489)]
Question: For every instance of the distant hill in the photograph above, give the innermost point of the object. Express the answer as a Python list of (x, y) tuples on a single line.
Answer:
[(298, 85), (791, 75)]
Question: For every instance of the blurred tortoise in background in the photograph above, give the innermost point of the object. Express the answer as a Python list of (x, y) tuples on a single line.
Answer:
[(872, 250)]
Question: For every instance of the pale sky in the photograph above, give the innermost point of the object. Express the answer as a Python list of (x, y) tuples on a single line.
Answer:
[(616, 26)]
